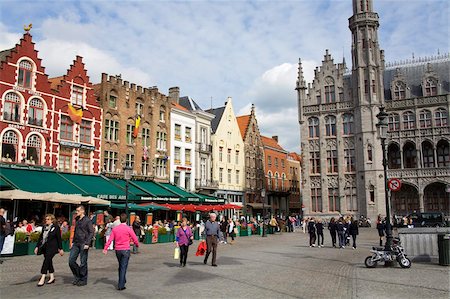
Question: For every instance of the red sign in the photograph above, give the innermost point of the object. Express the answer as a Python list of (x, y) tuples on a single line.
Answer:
[(394, 184)]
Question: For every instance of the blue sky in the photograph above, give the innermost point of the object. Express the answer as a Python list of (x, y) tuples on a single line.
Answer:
[(214, 49)]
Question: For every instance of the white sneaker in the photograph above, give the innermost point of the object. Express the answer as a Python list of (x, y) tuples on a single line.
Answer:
[(225, 242)]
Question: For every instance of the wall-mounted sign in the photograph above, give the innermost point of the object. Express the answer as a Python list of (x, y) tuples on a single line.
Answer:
[(76, 145)]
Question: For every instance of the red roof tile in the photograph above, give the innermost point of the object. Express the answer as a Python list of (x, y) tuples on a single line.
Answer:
[(178, 106), (267, 141), (54, 82), (243, 122)]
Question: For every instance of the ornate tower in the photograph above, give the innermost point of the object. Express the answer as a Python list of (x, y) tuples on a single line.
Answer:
[(368, 94)]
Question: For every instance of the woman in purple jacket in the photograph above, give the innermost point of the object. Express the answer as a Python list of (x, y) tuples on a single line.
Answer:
[(184, 239)]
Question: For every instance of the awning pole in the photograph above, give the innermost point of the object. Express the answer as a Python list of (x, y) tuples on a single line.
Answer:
[(46, 208), (15, 204)]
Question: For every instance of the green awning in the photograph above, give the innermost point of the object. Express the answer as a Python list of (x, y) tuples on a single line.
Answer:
[(135, 207), (184, 195), (39, 181), (97, 186), (210, 199), (131, 188), (4, 185), (156, 191)]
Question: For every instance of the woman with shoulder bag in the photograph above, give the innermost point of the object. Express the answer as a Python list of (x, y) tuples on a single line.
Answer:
[(184, 238), (49, 244)]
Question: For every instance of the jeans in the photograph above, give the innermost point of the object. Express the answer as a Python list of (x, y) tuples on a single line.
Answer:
[(341, 236), (319, 239), (184, 249), (123, 256), (312, 238), (333, 237), (80, 272), (2, 242), (354, 241)]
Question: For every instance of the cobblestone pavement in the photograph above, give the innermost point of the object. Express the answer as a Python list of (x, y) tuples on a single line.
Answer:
[(254, 267)]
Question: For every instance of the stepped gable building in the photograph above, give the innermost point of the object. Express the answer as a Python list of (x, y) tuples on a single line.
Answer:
[(276, 168), (342, 168), (254, 160), (47, 122), (294, 163), (227, 155), (136, 129), (203, 147)]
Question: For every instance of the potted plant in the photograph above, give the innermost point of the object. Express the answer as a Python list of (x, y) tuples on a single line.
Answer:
[(148, 236), (65, 237), (20, 244), (34, 238), (163, 237)]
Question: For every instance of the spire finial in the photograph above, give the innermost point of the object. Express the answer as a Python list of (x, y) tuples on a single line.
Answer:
[(27, 28)]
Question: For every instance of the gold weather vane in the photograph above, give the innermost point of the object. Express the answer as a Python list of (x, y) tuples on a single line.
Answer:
[(27, 28)]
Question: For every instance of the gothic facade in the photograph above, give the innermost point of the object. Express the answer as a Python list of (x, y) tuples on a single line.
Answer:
[(342, 157)]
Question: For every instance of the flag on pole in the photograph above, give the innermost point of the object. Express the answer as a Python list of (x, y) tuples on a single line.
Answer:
[(75, 114), (136, 127)]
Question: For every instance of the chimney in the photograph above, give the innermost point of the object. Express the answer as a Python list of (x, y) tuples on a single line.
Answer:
[(174, 94), (275, 138)]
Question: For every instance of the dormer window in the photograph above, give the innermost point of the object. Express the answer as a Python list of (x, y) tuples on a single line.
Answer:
[(430, 88), (399, 91), (25, 73), (77, 95)]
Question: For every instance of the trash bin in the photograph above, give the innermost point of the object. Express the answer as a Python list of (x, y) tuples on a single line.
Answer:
[(444, 249)]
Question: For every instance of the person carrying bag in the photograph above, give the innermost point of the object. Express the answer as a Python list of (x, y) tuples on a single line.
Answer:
[(184, 239)]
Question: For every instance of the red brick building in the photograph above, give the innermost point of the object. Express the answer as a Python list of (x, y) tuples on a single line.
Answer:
[(48, 122)]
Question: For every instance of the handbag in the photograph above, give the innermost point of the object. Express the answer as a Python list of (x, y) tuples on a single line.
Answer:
[(40, 249), (189, 239), (176, 254)]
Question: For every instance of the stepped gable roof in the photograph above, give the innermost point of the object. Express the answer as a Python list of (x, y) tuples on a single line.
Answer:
[(270, 142), (4, 54), (243, 122), (218, 112), (189, 103), (54, 82), (414, 74)]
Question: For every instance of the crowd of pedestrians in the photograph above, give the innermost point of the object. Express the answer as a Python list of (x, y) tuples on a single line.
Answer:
[(341, 231)]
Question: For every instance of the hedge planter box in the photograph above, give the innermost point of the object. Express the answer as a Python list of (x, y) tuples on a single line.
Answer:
[(66, 245), (20, 249), (243, 232), (148, 238), (163, 238), (31, 247)]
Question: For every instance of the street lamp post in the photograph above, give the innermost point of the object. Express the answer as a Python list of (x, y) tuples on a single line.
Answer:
[(263, 197), (127, 172), (382, 126)]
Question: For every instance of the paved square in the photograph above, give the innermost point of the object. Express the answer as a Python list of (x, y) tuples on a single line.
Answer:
[(278, 266)]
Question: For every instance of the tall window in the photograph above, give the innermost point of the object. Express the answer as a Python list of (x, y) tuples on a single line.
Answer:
[(161, 139), (347, 123), (237, 177), (333, 200), (85, 131), (369, 153), (441, 117), (111, 130), (203, 169), (276, 177), (393, 122), (161, 167), (12, 109), (65, 159), (430, 87), (276, 162), (10, 144), (84, 162), (313, 124), (77, 95), (409, 120), (269, 180), (425, 119), (269, 160), (349, 158), (350, 198), (229, 176), (374, 89), (139, 109), (237, 157), (443, 154), (316, 199), (330, 125), (36, 113), (399, 91), (187, 181), (129, 160), (394, 156), (221, 175), (332, 161), (177, 155), (203, 139), (409, 155), (220, 154), (110, 160), (112, 103), (130, 129), (176, 178), (145, 137), (66, 129), (25, 74), (428, 155), (315, 162), (177, 132), (187, 156), (229, 155), (34, 149), (162, 114), (329, 90), (145, 166), (187, 136)]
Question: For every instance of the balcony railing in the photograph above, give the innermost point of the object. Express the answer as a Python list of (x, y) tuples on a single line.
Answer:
[(206, 184), (419, 172), (203, 148)]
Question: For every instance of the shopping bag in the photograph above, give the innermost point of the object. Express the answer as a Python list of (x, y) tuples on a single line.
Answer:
[(201, 249), (176, 254)]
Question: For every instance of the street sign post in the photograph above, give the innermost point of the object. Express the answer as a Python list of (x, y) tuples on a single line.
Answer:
[(394, 184)]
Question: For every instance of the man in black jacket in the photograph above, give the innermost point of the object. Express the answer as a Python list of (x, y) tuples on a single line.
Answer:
[(84, 232)]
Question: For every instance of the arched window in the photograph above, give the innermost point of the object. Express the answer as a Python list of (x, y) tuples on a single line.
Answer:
[(399, 91), (394, 156), (276, 180), (329, 90), (441, 117), (10, 144), (409, 120), (430, 87), (330, 125), (36, 112), (427, 154), (409, 155), (394, 122), (25, 74), (269, 180), (425, 119), (443, 154), (347, 123), (313, 124), (34, 149), (283, 179), (12, 109)]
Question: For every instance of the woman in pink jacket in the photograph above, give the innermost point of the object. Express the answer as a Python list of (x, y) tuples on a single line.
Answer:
[(184, 238)]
